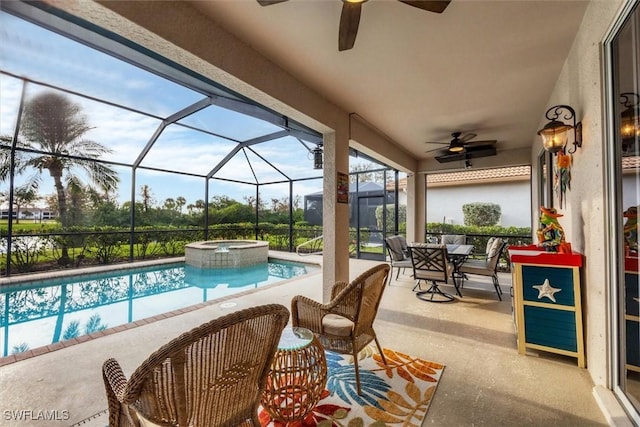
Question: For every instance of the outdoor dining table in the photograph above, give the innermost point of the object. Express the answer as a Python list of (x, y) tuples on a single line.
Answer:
[(459, 251), (458, 255)]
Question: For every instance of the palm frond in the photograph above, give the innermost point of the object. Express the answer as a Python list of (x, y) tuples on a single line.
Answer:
[(86, 148)]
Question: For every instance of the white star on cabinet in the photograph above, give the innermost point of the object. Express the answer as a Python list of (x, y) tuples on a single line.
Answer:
[(546, 290)]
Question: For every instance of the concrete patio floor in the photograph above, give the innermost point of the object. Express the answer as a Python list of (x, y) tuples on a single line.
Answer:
[(485, 382)]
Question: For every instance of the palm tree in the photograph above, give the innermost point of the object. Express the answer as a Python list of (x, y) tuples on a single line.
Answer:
[(54, 126), (170, 203), (147, 197), (180, 202)]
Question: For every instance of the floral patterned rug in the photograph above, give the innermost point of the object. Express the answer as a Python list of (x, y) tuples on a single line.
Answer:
[(397, 394)]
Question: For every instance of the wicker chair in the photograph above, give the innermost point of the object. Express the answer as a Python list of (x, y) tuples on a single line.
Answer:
[(345, 324), (212, 375)]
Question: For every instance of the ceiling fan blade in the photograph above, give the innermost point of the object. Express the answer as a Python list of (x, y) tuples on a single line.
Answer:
[(436, 6), (435, 149), (349, 22), (467, 137), (269, 2)]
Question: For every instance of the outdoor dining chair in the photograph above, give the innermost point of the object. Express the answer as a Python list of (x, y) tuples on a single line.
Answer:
[(398, 254), (453, 239), (212, 375), (345, 324), (487, 266), (431, 264)]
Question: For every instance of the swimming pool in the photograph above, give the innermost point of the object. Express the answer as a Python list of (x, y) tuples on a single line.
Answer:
[(50, 311)]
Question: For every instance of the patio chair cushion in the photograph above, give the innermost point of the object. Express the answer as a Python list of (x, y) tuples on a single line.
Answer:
[(396, 250), (453, 239), (489, 244), (334, 324), (494, 250), (477, 266)]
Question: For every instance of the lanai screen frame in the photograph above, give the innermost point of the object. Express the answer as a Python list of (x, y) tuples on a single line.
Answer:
[(112, 44), (213, 94)]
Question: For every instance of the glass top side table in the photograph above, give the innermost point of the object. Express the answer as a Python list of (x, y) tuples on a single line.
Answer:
[(295, 338)]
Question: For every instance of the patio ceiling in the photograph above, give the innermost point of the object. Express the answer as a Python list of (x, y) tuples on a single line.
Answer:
[(486, 67)]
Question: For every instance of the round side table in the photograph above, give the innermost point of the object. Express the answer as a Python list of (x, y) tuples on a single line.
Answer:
[(297, 378)]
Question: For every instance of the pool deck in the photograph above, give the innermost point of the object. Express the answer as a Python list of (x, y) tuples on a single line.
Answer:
[(485, 382)]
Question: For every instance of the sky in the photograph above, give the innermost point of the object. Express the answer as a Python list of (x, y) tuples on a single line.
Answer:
[(38, 54)]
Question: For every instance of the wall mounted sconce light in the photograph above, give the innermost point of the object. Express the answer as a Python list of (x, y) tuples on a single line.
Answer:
[(630, 118), (555, 134), (317, 157)]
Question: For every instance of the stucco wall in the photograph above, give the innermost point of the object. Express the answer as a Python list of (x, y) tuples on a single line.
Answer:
[(512, 197), (580, 85)]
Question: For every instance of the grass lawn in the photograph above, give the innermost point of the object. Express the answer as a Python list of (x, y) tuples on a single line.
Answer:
[(27, 225)]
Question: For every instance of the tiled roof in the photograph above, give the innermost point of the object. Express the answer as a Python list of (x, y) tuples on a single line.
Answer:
[(513, 173), (631, 162)]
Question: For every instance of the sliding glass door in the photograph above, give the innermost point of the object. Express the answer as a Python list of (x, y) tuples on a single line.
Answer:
[(623, 51)]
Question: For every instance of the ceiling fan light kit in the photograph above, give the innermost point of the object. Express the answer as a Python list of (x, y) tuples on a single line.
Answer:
[(456, 146), (350, 16), (461, 147), (629, 119)]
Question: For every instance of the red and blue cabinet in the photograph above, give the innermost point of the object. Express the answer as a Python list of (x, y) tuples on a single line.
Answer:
[(547, 302), (631, 314)]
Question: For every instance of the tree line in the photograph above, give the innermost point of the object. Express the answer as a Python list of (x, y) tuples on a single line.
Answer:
[(52, 140)]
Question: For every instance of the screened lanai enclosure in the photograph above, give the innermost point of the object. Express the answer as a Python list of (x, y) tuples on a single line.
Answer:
[(112, 153)]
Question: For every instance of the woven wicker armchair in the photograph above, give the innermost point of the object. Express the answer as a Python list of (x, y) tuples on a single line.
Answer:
[(345, 324), (212, 375)]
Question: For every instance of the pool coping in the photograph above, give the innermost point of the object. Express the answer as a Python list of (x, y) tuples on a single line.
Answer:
[(13, 358)]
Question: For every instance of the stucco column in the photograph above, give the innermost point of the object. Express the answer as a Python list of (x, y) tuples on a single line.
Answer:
[(416, 207), (335, 219)]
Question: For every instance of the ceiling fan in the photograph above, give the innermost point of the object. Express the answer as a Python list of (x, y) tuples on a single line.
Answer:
[(461, 143), (350, 16)]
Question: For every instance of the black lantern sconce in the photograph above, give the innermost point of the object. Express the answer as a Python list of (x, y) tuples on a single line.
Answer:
[(317, 157), (630, 118), (555, 134)]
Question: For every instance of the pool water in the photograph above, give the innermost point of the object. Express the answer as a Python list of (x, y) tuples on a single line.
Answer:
[(61, 309)]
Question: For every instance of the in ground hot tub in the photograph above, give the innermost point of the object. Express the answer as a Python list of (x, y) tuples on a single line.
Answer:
[(226, 253)]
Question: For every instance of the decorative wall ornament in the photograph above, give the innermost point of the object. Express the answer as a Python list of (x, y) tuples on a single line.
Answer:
[(562, 178), (546, 290)]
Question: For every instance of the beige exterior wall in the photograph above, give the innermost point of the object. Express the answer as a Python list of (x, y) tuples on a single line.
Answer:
[(580, 85)]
